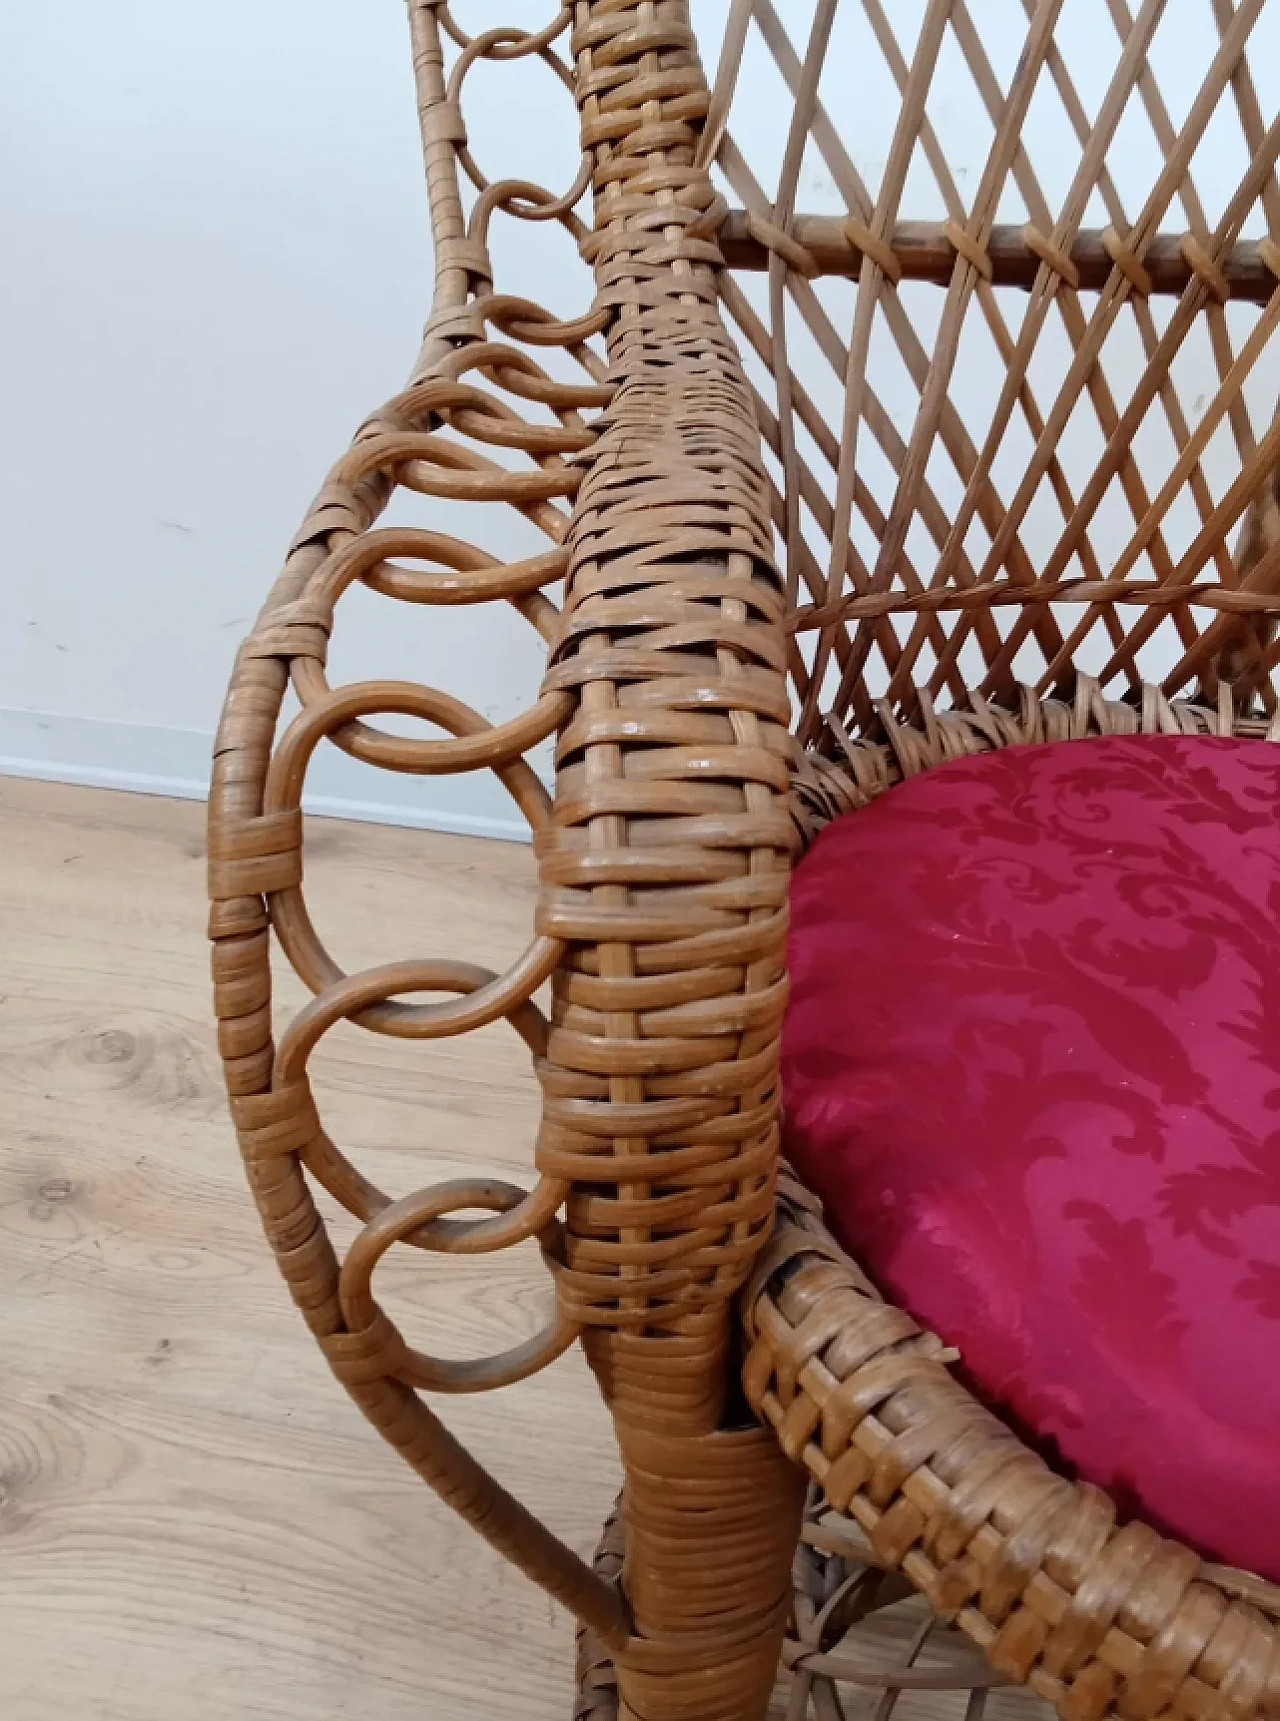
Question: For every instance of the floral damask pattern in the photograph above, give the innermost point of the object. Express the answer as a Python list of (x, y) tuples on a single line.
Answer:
[(1031, 1064)]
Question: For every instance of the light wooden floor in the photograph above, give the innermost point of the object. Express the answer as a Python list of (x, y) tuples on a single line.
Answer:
[(195, 1523)]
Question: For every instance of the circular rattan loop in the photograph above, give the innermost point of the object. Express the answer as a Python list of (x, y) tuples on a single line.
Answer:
[(419, 1216), (526, 201), (463, 575), (447, 470), (364, 999), (514, 44), (523, 320), (505, 42), (521, 375), (329, 713), (289, 914)]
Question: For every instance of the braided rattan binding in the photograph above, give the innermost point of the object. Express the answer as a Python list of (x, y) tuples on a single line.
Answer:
[(664, 869), (710, 710)]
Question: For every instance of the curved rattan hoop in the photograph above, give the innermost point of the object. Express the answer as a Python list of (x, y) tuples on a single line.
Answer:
[(710, 709)]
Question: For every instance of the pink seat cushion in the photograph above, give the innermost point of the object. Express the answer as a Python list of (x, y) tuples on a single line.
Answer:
[(1031, 1064)]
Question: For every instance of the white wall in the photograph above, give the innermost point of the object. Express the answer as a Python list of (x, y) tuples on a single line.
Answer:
[(217, 261)]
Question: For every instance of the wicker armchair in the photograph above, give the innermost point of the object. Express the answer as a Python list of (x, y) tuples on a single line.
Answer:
[(727, 671)]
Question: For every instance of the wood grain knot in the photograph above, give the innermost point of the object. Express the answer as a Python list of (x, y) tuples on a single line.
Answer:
[(111, 1046)]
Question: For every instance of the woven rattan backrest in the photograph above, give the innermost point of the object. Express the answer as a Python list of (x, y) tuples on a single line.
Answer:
[(1007, 275)]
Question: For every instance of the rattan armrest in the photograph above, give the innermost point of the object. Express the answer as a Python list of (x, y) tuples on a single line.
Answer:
[(663, 860)]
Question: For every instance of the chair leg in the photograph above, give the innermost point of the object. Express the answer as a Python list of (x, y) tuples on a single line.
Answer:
[(709, 1528)]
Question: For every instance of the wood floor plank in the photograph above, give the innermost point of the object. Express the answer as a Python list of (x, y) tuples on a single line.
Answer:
[(195, 1523)]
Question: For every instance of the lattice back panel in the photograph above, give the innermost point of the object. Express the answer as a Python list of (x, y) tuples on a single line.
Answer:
[(1007, 275)]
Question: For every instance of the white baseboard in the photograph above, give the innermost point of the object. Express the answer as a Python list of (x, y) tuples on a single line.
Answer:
[(147, 759)]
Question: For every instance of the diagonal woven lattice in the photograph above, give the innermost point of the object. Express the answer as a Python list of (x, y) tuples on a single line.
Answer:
[(1002, 482)]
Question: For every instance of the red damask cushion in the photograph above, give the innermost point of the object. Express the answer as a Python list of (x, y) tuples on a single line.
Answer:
[(1031, 1064)]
